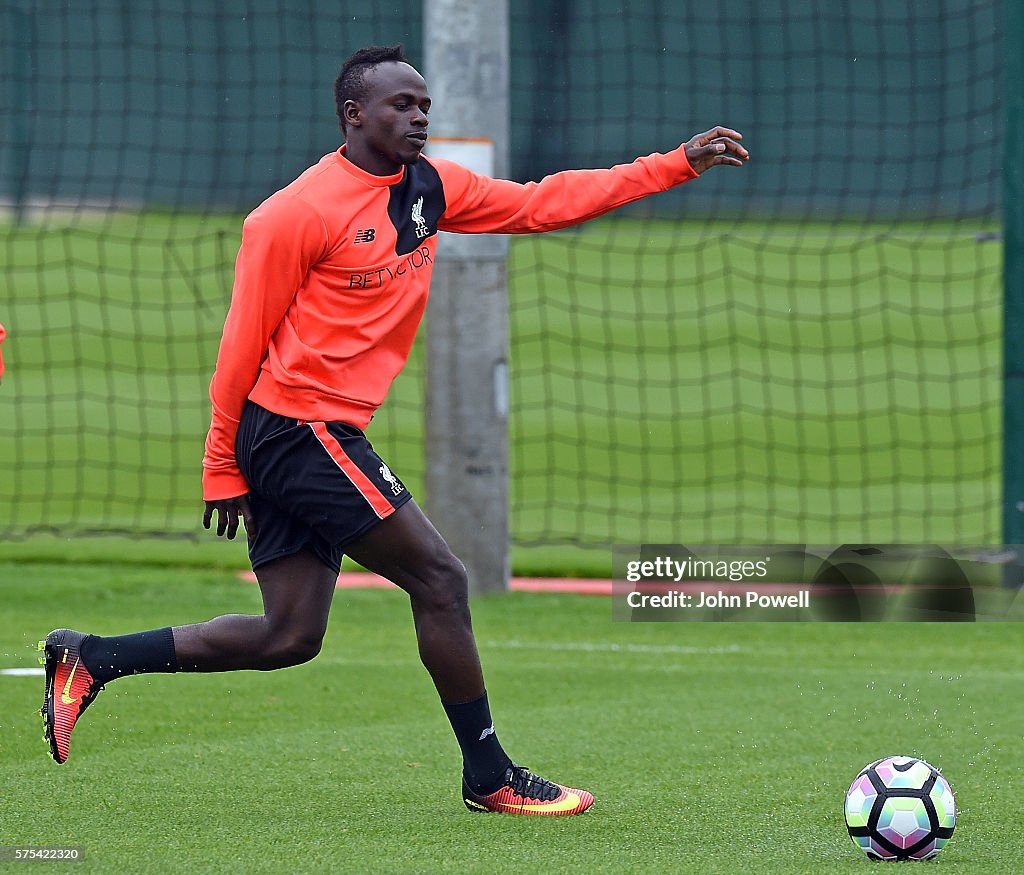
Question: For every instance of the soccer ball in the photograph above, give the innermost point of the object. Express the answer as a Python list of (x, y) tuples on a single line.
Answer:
[(900, 808)]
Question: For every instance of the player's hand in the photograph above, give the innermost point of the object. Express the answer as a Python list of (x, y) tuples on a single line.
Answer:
[(717, 146), (229, 511)]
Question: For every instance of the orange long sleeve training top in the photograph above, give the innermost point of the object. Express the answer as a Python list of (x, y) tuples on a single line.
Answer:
[(333, 272)]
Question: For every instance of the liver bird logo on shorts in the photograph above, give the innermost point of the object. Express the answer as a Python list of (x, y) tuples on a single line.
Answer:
[(396, 487)]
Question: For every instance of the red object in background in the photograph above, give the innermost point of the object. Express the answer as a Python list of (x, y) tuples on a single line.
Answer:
[(3, 334)]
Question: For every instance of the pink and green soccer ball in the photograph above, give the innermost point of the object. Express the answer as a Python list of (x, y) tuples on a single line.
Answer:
[(900, 808)]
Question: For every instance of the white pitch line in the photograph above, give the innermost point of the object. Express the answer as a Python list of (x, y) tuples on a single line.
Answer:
[(592, 647), (23, 672)]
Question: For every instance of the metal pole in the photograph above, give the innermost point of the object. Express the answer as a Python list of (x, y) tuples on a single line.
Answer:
[(1013, 274), (466, 68)]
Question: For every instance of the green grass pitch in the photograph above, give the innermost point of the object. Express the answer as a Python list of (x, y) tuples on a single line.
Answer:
[(703, 383), (709, 747)]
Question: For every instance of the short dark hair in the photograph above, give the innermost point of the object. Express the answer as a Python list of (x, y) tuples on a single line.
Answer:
[(351, 81)]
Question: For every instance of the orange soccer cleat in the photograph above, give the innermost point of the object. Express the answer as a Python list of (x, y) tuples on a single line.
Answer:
[(526, 793), (70, 688)]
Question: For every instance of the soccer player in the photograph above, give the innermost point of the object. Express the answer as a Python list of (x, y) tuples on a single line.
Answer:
[(330, 285)]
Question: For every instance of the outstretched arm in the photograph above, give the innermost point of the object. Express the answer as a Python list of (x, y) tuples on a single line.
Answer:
[(481, 205), (717, 146)]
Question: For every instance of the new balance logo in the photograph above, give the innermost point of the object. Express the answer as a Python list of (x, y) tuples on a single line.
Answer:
[(488, 731), (417, 216), (365, 236), (396, 487)]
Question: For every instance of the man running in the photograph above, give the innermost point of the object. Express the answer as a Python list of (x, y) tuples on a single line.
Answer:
[(331, 283)]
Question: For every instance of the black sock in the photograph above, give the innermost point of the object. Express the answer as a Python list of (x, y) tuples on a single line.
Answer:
[(139, 653), (483, 760)]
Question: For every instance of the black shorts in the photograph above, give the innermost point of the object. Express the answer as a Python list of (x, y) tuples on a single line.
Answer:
[(311, 484)]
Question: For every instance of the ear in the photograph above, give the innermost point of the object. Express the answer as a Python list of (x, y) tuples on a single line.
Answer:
[(353, 113)]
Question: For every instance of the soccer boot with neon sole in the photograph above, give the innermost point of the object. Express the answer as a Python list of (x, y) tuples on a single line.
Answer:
[(70, 688), (526, 793)]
